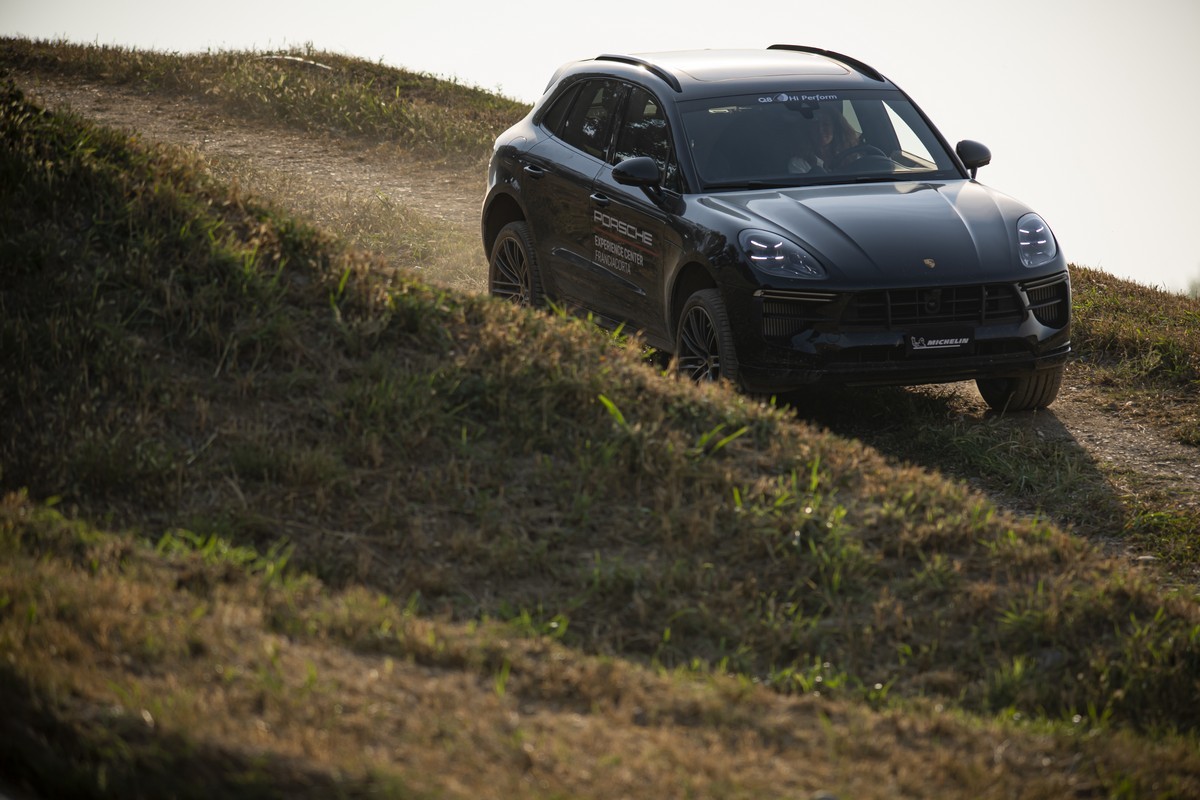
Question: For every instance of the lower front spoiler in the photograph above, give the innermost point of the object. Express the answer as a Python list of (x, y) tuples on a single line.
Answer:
[(776, 378)]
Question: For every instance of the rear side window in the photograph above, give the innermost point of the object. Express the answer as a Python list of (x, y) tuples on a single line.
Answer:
[(554, 118), (588, 123)]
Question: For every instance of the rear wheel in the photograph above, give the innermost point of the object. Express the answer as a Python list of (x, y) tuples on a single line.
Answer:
[(1023, 393), (512, 269), (704, 341)]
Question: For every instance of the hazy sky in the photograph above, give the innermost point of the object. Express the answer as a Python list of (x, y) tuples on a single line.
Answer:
[(1089, 106)]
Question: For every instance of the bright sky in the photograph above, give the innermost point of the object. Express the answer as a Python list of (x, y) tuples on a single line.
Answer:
[(1089, 106)]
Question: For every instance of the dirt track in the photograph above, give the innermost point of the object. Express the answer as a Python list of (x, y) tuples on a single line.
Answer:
[(1134, 456)]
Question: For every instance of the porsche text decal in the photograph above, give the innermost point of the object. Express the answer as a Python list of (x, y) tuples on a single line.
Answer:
[(620, 245), (622, 228)]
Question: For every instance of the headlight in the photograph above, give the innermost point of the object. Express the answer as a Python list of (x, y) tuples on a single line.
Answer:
[(1035, 241), (771, 254)]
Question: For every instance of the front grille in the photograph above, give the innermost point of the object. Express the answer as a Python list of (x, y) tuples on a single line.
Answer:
[(896, 308), (786, 313), (1050, 300)]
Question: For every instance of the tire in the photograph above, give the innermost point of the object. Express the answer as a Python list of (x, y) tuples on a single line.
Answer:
[(512, 267), (1026, 393), (704, 341)]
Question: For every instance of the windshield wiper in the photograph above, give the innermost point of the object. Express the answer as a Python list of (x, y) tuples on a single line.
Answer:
[(776, 184), (889, 178), (820, 180)]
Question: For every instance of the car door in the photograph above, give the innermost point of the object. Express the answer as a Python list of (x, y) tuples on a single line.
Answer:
[(558, 177), (632, 241)]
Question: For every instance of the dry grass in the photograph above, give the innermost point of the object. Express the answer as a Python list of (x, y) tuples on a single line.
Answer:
[(191, 671), (374, 221), (1143, 345), (305, 88), (1141, 352), (518, 556)]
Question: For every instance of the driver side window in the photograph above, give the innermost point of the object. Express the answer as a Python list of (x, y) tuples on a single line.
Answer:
[(644, 132)]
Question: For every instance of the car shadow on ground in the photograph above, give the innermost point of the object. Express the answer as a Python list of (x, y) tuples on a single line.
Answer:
[(1028, 462)]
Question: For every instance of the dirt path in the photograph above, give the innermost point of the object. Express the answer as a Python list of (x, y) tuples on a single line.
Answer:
[(1134, 457), (347, 168)]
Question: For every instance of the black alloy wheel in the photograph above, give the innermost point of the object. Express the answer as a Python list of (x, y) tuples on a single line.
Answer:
[(512, 268), (704, 342)]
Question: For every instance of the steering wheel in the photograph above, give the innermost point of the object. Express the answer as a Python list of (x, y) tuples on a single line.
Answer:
[(851, 154)]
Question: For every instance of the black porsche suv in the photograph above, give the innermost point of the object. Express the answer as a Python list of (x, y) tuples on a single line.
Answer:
[(777, 218)]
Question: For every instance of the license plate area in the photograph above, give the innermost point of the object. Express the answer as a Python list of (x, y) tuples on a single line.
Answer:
[(940, 343)]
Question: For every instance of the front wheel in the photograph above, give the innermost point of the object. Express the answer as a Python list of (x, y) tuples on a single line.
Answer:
[(1024, 393), (704, 341), (512, 268)]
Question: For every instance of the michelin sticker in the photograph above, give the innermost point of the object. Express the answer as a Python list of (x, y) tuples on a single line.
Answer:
[(619, 245), (948, 343)]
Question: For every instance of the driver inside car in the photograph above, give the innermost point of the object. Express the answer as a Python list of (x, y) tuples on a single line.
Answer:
[(826, 134), (831, 133)]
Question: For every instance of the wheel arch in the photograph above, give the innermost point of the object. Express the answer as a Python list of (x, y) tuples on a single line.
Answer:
[(502, 209), (691, 278)]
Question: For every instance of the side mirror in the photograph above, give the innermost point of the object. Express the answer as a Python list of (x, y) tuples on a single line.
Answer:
[(640, 171), (973, 154)]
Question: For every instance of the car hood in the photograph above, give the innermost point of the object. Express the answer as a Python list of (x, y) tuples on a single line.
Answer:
[(892, 233)]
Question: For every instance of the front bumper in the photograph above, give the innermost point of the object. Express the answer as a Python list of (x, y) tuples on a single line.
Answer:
[(787, 340), (760, 378)]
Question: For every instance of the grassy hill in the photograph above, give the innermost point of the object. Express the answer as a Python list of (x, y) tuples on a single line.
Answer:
[(282, 520)]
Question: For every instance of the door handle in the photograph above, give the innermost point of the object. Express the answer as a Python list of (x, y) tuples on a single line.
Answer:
[(600, 199), (534, 172)]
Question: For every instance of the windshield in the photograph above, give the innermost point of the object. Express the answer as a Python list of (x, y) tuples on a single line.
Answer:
[(806, 138)]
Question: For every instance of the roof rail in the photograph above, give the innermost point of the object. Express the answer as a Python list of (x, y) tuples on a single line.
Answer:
[(865, 69), (670, 79)]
